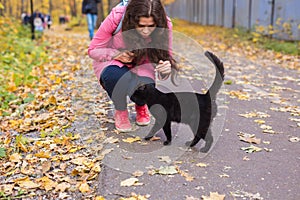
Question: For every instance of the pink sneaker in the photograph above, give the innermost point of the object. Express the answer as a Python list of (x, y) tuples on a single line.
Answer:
[(142, 115), (122, 122)]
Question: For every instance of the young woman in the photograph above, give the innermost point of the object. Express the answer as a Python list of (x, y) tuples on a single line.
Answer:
[(130, 57)]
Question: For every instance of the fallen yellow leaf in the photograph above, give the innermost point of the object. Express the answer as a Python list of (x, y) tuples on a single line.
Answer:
[(46, 166), (47, 183), (131, 140), (96, 168), (224, 175), (26, 183), (260, 121), (11, 87), (84, 187), (43, 154), (241, 95), (52, 100), (22, 146), (249, 138), (135, 196), (214, 196), (15, 157), (269, 131), (129, 182), (79, 161), (186, 175), (201, 165), (138, 173), (62, 187)]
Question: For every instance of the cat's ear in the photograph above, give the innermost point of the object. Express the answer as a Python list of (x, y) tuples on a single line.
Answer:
[(142, 87), (149, 86)]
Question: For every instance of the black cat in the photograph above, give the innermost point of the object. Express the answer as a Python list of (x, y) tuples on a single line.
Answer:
[(183, 107)]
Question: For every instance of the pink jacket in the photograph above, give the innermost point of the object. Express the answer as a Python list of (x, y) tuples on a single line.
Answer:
[(105, 45)]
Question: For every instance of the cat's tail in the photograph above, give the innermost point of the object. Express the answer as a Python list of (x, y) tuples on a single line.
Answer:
[(204, 132), (219, 78)]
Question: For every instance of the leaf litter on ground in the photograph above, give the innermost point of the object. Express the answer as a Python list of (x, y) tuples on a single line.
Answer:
[(249, 138), (38, 154)]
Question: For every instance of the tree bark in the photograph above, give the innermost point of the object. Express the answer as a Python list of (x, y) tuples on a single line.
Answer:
[(112, 3), (1, 10), (75, 8), (50, 7), (72, 5), (100, 14), (31, 20), (22, 6)]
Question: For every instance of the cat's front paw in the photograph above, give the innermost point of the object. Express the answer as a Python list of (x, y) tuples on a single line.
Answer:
[(188, 143), (167, 142)]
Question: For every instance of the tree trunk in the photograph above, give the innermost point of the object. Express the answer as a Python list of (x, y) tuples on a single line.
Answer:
[(64, 7), (22, 6), (72, 8), (112, 3), (100, 14), (27, 7), (50, 7), (31, 20), (10, 10), (75, 8), (1, 10)]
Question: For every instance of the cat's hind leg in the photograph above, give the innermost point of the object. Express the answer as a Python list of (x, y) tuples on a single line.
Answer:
[(160, 115), (168, 132)]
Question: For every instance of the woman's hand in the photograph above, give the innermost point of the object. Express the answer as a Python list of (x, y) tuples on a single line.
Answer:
[(124, 56), (163, 67)]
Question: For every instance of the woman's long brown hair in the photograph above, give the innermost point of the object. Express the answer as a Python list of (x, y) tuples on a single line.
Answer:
[(158, 48)]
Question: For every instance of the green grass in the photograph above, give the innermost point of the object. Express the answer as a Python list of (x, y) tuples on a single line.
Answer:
[(18, 56), (266, 42), (292, 48)]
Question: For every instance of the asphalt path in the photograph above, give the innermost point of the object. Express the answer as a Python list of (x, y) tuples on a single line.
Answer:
[(259, 100)]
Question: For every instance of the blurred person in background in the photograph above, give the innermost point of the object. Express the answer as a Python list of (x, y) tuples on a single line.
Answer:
[(89, 8)]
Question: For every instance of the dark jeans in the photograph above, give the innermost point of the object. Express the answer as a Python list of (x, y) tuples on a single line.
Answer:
[(120, 82)]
